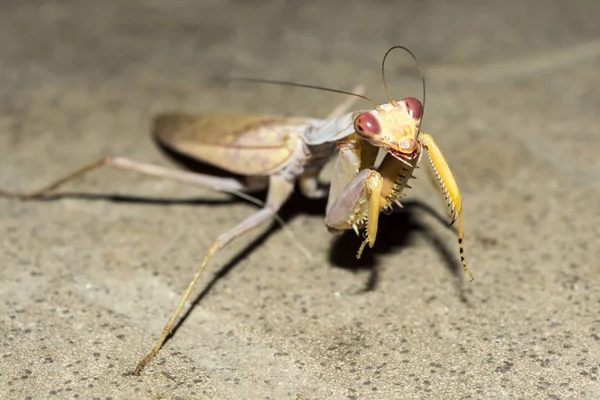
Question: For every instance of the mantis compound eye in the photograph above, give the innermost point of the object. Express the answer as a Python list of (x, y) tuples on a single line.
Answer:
[(367, 124), (414, 107)]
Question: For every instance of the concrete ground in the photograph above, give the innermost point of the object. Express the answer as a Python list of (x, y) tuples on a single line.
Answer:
[(87, 282)]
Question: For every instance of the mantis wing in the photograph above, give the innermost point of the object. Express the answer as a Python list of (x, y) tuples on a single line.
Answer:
[(241, 144)]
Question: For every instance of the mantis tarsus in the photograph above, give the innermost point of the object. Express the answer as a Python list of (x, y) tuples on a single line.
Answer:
[(277, 152)]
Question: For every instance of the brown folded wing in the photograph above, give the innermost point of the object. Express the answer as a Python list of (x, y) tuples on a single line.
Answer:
[(241, 144)]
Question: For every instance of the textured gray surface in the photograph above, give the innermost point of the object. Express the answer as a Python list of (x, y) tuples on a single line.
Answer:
[(86, 285)]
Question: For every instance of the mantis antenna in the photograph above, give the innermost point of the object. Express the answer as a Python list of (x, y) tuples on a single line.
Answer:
[(302, 85), (406, 49)]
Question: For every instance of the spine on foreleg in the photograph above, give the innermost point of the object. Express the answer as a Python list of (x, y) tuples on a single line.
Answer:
[(396, 175)]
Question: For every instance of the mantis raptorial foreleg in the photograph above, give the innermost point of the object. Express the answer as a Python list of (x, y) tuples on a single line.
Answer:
[(358, 203), (449, 190), (356, 190), (279, 191)]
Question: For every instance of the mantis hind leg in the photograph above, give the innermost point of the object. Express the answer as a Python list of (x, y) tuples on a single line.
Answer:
[(279, 191), (222, 184)]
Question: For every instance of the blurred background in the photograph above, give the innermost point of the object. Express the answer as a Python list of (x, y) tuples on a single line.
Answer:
[(87, 284)]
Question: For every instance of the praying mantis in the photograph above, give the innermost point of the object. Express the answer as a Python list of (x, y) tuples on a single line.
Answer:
[(276, 153)]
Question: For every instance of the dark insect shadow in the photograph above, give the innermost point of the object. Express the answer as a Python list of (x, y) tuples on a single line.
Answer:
[(118, 198), (296, 204), (395, 231)]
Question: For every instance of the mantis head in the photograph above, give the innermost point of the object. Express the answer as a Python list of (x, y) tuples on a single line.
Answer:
[(393, 127)]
